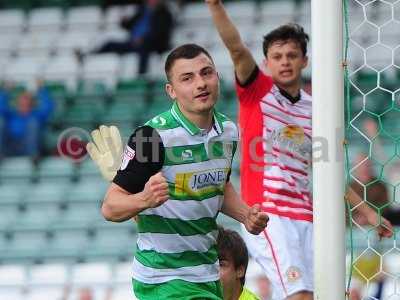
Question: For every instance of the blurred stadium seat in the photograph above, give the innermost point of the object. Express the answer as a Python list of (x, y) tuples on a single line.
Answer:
[(9, 211), (65, 244), (187, 34), (129, 66), (37, 44), (88, 170), (102, 68), (12, 276), (48, 275), (121, 271), (196, 14), (87, 18), (12, 21), (84, 114), (278, 12), (123, 112), (112, 242), (36, 216), (242, 11), (24, 246), (72, 40), (46, 20), (114, 14), (25, 70), (9, 194), (40, 293), (90, 273), (78, 215), (12, 294), (112, 17), (87, 190), (122, 292), (54, 168), (8, 44), (16, 170), (63, 68)]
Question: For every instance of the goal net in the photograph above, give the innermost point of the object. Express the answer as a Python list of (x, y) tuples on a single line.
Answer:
[(372, 148)]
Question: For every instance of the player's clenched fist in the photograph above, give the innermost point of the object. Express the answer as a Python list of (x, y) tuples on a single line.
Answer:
[(155, 191), (256, 220)]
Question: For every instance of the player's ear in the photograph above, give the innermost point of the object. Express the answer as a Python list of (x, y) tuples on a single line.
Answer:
[(264, 66), (305, 61), (265, 63), (240, 272), (170, 91)]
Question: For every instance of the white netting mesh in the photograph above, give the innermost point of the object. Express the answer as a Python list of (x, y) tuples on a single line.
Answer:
[(373, 132)]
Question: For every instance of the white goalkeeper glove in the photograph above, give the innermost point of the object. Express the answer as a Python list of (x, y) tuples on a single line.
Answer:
[(106, 150)]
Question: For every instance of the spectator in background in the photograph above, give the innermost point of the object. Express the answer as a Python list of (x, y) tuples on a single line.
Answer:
[(107, 3), (85, 294), (369, 277), (22, 127), (2, 131), (391, 173), (150, 31), (233, 260), (355, 294), (376, 191), (264, 287)]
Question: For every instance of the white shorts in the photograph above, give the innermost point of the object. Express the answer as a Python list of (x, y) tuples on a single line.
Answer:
[(285, 252)]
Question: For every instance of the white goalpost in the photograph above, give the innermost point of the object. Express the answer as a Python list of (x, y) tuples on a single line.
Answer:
[(328, 168)]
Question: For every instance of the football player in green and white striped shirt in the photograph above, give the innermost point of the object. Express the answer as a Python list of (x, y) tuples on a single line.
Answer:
[(174, 178)]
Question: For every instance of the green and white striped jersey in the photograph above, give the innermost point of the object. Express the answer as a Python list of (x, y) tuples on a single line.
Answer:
[(177, 240)]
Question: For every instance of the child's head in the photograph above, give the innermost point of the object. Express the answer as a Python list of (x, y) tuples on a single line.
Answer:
[(233, 259)]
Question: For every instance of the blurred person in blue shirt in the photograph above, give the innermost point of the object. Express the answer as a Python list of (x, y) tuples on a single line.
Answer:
[(150, 30), (22, 126)]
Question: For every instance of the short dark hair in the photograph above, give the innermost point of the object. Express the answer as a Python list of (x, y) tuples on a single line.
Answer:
[(230, 246), (288, 32), (187, 51)]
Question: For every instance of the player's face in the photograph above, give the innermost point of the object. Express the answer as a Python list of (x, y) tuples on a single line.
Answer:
[(194, 84), (285, 61), (229, 276)]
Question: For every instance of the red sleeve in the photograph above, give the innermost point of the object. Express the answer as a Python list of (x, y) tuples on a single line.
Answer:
[(251, 131), (255, 87)]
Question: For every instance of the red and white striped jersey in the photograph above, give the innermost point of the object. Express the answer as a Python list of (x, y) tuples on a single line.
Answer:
[(276, 148)]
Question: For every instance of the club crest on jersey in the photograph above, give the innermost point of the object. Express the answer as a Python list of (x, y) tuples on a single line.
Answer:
[(294, 133), (291, 137), (293, 274), (187, 154), (129, 154)]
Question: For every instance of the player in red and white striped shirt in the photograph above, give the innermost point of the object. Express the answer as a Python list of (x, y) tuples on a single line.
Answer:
[(275, 122)]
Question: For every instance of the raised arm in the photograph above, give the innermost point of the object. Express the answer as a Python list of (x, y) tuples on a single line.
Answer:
[(5, 108), (45, 104), (242, 59), (383, 227)]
